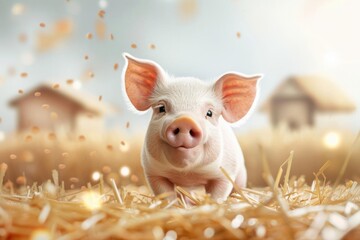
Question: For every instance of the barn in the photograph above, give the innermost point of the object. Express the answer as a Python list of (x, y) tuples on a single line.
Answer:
[(55, 107), (296, 101)]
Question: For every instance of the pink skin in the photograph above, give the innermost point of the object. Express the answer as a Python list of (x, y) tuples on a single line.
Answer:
[(184, 133), (189, 137), (183, 137)]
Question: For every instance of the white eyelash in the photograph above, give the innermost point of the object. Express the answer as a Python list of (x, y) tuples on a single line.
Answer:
[(212, 109), (159, 106)]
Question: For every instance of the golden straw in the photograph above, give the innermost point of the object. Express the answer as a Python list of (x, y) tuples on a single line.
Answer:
[(236, 187), (3, 168), (347, 159), (116, 192)]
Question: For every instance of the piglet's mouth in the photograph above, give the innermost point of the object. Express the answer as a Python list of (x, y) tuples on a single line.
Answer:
[(181, 156), (183, 148)]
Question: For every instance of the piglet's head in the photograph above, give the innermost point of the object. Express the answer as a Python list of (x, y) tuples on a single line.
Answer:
[(186, 124)]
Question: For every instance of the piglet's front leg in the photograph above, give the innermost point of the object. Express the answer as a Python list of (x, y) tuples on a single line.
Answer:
[(161, 185), (219, 188)]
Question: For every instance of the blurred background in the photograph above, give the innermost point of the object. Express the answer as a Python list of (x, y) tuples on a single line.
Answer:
[(61, 105)]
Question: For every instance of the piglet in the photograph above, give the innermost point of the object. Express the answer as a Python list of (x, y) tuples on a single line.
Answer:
[(189, 136)]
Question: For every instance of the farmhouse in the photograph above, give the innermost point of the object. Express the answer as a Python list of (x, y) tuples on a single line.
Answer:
[(59, 107), (295, 102)]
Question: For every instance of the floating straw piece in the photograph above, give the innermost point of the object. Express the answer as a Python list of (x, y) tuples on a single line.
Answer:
[(101, 184), (3, 168), (347, 160), (287, 174), (55, 176), (116, 192)]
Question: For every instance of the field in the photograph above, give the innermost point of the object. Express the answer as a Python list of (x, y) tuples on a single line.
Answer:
[(77, 156), (299, 188), (312, 148)]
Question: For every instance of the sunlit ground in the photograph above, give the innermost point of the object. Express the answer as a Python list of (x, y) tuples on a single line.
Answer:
[(97, 191)]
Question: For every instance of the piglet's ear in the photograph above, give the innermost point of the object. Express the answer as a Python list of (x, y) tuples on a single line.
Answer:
[(238, 93), (140, 78)]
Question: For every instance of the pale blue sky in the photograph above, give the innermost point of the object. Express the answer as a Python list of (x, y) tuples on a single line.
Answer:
[(278, 38)]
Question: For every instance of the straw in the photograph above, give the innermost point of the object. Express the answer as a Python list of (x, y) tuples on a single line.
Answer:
[(236, 187), (347, 160), (3, 168), (116, 191), (295, 211)]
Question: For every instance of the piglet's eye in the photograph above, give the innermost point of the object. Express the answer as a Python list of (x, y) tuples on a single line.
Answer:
[(162, 109), (209, 113)]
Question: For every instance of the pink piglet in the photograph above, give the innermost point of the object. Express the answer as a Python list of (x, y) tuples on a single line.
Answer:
[(189, 136)]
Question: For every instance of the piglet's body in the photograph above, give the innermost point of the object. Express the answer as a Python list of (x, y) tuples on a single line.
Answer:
[(189, 136)]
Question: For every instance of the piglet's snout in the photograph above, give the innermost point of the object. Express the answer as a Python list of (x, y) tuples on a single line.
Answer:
[(183, 132)]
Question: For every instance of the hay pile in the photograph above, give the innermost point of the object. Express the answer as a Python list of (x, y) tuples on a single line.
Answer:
[(290, 210)]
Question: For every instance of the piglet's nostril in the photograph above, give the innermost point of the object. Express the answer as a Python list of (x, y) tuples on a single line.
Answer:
[(176, 131), (192, 133)]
